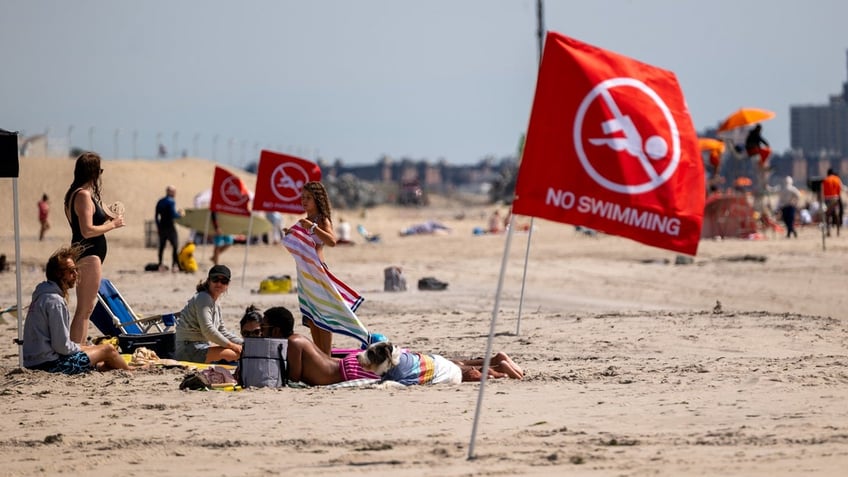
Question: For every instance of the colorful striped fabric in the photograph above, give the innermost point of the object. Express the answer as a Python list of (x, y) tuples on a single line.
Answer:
[(324, 299), (412, 369), (351, 369)]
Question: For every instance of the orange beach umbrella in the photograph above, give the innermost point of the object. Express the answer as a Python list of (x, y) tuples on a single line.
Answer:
[(743, 182), (744, 117), (710, 144)]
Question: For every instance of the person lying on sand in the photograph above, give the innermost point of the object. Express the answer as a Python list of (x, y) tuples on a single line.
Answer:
[(425, 228), (308, 364), (500, 366)]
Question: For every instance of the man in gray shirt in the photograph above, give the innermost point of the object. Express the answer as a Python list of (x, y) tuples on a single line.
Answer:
[(47, 338)]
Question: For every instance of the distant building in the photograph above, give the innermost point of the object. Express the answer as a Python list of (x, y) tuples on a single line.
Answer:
[(821, 131)]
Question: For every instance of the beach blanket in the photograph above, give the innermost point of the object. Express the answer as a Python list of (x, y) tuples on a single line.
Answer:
[(133, 360), (323, 298), (355, 383)]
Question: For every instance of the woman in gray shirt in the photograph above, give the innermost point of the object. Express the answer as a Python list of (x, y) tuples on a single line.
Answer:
[(201, 335)]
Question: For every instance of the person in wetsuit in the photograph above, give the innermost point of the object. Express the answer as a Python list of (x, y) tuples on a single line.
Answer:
[(166, 212)]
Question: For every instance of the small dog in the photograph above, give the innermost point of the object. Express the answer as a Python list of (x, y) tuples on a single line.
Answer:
[(408, 368)]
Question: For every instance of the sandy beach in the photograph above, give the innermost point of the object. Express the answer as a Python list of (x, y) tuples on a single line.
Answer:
[(736, 364)]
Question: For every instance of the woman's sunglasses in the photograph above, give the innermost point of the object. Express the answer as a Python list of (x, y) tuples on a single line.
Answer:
[(225, 281)]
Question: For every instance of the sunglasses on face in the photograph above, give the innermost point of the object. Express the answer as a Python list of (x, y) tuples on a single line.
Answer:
[(257, 333), (225, 281)]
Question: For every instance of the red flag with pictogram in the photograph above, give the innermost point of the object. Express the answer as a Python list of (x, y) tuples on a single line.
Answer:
[(229, 194), (611, 146), (279, 181)]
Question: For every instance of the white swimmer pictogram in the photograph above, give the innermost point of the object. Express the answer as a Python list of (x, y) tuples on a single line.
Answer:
[(232, 193), (287, 180), (655, 148)]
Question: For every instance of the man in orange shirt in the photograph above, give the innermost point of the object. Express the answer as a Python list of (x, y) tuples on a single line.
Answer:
[(832, 191)]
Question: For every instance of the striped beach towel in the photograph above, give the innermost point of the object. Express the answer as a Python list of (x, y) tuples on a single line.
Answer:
[(323, 298)]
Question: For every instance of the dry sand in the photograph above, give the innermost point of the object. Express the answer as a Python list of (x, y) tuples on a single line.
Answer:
[(631, 368)]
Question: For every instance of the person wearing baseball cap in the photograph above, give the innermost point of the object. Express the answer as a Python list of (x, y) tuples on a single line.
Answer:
[(201, 334)]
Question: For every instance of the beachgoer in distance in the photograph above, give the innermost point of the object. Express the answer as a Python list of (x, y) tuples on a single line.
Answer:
[(221, 241), (496, 222), (47, 340), (166, 212), (715, 161), (43, 212), (756, 145), (429, 227), (89, 224), (202, 323), (344, 236), (832, 191), (787, 201), (276, 235)]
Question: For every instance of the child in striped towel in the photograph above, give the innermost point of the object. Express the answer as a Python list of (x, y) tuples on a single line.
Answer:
[(327, 304)]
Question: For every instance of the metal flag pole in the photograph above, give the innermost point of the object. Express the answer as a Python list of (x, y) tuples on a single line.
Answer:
[(825, 224), (510, 232), (540, 33), (10, 167), (19, 309), (487, 357)]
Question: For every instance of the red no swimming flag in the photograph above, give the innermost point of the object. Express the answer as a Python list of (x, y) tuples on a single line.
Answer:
[(611, 146), (279, 181), (229, 194)]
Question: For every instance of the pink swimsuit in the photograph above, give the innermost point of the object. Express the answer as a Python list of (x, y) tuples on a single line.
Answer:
[(351, 369)]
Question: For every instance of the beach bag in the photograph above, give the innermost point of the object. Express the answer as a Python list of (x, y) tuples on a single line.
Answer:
[(164, 344), (263, 364), (393, 279), (209, 378), (186, 258), (276, 284), (431, 283)]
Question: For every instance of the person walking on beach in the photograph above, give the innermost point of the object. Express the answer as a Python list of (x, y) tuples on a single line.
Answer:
[(221, 242), (89, 224), (43, 211), (201, 334), (787, 202), (166, 212), (334, 310), (832, 191), (47, 340)]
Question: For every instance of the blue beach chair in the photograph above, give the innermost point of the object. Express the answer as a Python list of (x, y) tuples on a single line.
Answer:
[(113, 316)]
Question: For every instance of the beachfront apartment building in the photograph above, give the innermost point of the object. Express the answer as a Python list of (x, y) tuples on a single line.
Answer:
[(819, 133)]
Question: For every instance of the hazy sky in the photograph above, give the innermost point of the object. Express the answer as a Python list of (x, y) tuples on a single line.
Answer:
[(358, 79)]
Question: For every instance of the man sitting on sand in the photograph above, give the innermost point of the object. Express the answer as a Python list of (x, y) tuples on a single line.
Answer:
[(47, 334)]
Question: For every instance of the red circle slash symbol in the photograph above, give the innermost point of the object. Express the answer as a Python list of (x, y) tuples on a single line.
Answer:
[(626, 137)]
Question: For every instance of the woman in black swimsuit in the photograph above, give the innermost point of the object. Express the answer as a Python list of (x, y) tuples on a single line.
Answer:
[(89, 223)]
